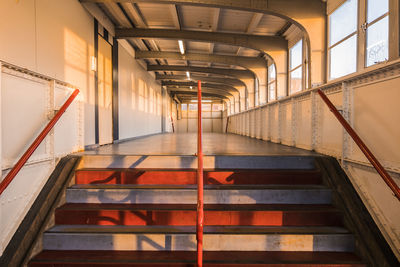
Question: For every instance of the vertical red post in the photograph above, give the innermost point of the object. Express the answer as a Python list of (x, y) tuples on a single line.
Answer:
[(200, 212)]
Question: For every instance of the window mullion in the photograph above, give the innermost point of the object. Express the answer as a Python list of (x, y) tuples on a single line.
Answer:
[(361, 38)]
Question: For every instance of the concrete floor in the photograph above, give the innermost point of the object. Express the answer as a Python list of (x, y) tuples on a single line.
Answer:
[(186, 144)]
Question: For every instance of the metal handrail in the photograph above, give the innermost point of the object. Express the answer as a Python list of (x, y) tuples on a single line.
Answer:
[(21, 162), (200, 203), (372, 159)]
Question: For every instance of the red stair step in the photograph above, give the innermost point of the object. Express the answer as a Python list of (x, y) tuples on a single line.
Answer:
[(189, 177), (164, 214), (188, 258)]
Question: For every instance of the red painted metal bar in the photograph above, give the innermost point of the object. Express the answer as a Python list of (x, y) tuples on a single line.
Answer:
[(378, 167), (200, 203), (21, 162)]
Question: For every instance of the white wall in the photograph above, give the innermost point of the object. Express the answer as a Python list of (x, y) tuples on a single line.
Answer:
[(370, 103), (61, 51), (140, 98)]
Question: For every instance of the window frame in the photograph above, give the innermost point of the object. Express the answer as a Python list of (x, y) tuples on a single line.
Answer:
[(365, 25), (345, 38), (272, 82), (301, 65)]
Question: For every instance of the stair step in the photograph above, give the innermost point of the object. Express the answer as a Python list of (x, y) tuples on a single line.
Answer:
[(215, 214), (188, 258), (134, 176), (182, 238), (187, 194)]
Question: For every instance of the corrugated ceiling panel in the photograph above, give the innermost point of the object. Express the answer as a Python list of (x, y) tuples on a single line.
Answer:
[(225, 49), (168, 45), (197, 18), (197, 47), (293, 35), (157, 15), (176, 62), (270, 25), (234, 20), (249, 52)]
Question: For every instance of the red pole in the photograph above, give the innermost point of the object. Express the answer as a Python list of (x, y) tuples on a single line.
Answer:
[(374, 161), (200, 212), (14, 171)]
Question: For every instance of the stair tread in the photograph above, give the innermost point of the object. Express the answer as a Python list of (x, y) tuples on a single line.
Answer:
[(225, 229), (194, 187), (216, 207), (71, 256)]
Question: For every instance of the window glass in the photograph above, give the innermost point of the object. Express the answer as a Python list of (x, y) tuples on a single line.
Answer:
[(193, 106), (217, 107), (343, 58), (377, 42), (272, 72), (343, 21), (295, 80), (272, 91), (205, 107), (296, 54), (376, 8), (184, 106)]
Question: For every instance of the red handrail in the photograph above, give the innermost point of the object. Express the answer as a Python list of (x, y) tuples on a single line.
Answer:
[(21, 162), (378, 167), (200, 212)]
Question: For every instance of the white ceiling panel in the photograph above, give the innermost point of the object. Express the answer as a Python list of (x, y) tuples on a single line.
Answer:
[(270, 25), (197, 47), (157, 15), (234, 20), (197, 18)]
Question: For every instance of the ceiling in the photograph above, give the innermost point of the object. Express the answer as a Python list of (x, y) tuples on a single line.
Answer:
[(193, 19)]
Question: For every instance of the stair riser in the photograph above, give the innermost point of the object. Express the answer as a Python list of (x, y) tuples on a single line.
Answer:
[(187, 242), (193, 265), (145, 217), (182, 177), (186, 196)]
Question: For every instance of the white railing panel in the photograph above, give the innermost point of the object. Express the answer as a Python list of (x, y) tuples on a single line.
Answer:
[(375, 116), (286, 120), (303, 130), (329, 130), (23, 115)]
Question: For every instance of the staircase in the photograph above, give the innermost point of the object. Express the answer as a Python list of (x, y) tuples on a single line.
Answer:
[(256, 214)]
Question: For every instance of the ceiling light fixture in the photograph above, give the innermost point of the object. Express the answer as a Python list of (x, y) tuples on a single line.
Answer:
[(188, 75), (181, 48)]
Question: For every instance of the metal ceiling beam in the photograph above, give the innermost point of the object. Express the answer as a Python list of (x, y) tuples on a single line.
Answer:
[(239, 74), (229, 81), (246, 62), (257, 42), (173, 91), (227, 88), (206, 90), (283, 8)]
